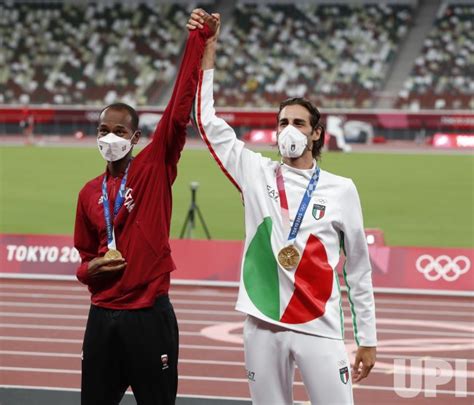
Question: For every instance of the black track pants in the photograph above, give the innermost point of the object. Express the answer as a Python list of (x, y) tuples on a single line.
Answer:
[(137, 348)]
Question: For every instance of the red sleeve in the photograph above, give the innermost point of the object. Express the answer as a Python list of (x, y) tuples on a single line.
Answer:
[(170, 133), (85, 241)]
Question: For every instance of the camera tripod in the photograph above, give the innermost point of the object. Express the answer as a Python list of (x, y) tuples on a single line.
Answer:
[(190, 222)]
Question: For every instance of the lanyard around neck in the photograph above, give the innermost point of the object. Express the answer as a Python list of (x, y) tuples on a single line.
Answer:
[(119, 199), (312, 184)]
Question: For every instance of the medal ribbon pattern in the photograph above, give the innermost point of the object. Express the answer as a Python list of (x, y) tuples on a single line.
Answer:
[(120, 198), (313, 183)]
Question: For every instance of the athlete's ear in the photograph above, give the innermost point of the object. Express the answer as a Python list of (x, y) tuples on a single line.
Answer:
[(316, 133), (136, 136)]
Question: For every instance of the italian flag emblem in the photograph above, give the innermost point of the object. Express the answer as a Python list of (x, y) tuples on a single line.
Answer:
[(344, 374), (318, 211), (313, 280)]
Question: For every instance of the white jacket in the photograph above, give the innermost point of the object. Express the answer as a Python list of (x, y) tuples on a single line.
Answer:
[(307, 299)]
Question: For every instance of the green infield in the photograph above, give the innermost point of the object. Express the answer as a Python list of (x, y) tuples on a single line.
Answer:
[(417, 200)]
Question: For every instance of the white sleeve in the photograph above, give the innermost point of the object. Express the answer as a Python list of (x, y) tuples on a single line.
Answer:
[(357, 269), (229, 152)]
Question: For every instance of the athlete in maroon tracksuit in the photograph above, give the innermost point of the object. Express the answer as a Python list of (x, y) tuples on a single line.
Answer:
[(131, 337)]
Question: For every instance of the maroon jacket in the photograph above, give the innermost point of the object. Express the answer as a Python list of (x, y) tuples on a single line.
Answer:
[(142, 224)]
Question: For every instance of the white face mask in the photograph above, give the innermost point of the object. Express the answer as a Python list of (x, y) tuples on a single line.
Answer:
[(292, 142), (113, 147)]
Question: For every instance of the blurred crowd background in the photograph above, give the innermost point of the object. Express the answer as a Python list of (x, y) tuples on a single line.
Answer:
[(410, 55)]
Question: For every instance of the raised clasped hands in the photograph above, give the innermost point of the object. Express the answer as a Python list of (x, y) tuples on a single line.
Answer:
[(199, 17)]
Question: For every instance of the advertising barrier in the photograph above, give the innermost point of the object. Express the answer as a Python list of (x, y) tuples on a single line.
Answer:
[(453, 140), (416, 269), (451, 121)]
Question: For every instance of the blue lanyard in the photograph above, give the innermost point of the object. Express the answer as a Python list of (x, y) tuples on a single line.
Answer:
[(304, 204), (120, 198)]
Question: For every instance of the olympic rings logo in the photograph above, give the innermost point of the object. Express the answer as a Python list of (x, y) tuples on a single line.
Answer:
[(442, 267)]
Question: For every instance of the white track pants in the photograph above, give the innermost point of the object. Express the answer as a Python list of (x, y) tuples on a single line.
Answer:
[(271, 353)]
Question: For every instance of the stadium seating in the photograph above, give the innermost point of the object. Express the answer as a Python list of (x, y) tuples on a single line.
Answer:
[(338, 53), (66, 53), (443, 75)]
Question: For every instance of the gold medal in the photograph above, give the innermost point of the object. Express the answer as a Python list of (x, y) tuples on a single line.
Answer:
[(113, 254), (289, 257)]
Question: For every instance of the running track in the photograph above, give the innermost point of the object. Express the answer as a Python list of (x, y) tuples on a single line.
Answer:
[(42, 325)]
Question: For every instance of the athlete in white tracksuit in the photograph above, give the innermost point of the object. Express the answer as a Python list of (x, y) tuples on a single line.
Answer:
[(294, 312)]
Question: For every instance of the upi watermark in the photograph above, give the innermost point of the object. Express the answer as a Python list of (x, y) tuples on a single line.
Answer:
[(428, 376)]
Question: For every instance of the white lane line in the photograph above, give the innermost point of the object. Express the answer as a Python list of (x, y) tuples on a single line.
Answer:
[(212, 362), (355, 386), (78, 355), (68, 328), (200, 397), (187, 361), (407, 357), (39, 340), (40, 315), (235, 313), (86, 307), (193, 396), (467, 330), (186, 333), (424, 333), (403, 331), (212, 291), (42, 305), (78, 341), (184, 377), (32, 387), (84, 297), (75, 341), (181, 361), (41, 370), (175, 290), (194, 322), (204, 293), (41, 327), (438, 302), (35, 287), (39, 354), (423, 391), (429, 312), (215, 362), (41, 295)]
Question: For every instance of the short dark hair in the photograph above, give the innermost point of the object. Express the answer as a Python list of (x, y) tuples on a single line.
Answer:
[(315, 116), (122, 106)]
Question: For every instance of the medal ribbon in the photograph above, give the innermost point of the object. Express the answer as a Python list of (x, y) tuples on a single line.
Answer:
[(313, 182), (119, 199)]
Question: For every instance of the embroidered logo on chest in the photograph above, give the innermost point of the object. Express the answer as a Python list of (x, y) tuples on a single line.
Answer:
[(129, 202), (272, 193), (318, 211)]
